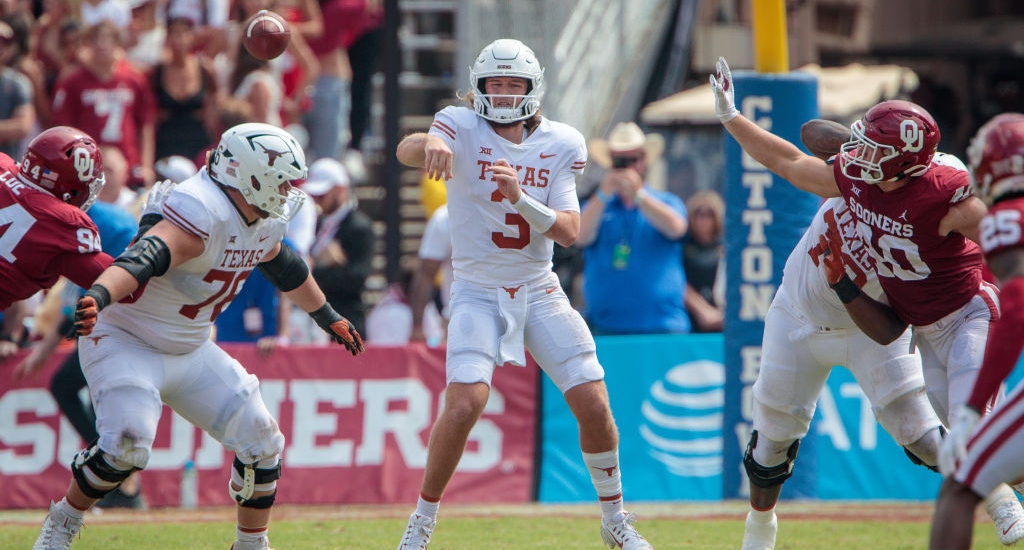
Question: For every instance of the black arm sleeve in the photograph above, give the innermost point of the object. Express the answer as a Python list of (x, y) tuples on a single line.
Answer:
[(146, 223), (148, 257), (287, 271)]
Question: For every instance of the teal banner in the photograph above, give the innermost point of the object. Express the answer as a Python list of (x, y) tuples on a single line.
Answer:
[(668, 393)]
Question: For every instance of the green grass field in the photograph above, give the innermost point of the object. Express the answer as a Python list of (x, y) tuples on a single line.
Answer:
[(803, 526)]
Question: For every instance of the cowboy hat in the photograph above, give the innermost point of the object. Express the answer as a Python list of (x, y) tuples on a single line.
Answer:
[(625, 137)]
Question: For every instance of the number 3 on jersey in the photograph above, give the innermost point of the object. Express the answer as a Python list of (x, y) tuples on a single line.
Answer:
[(502, 240)]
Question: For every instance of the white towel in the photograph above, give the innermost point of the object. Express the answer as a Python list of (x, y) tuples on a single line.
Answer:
[(512, 305)]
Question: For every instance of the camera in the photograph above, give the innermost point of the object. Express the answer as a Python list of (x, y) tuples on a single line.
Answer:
[(623, 162)]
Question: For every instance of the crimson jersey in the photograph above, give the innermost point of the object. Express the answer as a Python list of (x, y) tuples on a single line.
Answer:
[(924, 275), (113, 111), (42, 238), (1000, 229)]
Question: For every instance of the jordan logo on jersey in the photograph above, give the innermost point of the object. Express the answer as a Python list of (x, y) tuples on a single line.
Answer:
[(512, 291)]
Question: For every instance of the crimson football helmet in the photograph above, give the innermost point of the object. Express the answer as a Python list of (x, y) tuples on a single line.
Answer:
[(893, 140), (66, 163), (996, 157), (507, 57)]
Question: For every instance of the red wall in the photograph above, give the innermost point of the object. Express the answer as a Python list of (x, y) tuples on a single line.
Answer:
[(356, 432)]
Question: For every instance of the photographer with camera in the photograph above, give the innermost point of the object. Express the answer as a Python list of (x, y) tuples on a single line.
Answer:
[(631, 237)]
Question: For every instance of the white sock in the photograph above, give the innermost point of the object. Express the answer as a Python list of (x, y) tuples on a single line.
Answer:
[(426, 508), (762, 516), (65, 507), (607, 479), (249, 537)]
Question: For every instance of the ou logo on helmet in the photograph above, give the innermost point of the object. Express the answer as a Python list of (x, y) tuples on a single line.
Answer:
[(912, 136), (84, 164)]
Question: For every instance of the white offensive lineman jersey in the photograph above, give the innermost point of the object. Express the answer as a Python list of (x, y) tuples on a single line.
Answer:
[(176, 310), (803, 279), (492, 244)]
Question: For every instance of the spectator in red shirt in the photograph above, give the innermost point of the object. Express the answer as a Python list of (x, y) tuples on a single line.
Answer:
[(110, 100)]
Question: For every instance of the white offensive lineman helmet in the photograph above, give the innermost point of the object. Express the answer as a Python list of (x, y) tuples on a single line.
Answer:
[(507, 57), (256, 159)]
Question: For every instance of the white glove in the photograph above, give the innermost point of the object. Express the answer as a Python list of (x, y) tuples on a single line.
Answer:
[(725, 94), (953, 449), (156, 197)]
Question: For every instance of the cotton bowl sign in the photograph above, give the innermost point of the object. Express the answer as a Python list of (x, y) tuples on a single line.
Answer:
[(356, 431)]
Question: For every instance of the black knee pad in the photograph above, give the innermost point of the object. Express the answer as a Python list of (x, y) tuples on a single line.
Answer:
[(251, 476), (767, 478), (913, 458), (94, 459)]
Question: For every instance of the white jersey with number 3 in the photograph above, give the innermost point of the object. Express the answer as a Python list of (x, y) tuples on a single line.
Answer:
[(176, 310), (492, 244)]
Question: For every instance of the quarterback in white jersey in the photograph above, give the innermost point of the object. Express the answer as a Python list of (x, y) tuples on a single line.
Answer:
[(806, 332), (207, 234), (495, 246), (511, 180)]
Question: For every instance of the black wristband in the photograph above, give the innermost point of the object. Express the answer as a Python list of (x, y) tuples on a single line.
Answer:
[(325, 316), (846, 289), (100, 294), (7, 338)]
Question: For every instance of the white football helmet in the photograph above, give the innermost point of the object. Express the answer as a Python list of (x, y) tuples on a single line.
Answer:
[(256, 159), (507, 57)]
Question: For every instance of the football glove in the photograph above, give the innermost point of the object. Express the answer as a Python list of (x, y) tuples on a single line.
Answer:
[(156, 197), (953, 449), (725, 94), (831, 261), (338, 328), (88, 308)]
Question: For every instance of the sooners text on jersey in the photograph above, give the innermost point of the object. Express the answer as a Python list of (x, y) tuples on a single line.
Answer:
[(925, 275)]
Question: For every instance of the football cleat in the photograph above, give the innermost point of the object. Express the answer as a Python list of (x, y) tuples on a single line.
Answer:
[(620, 533), (417, 533), (1007, 515), (59, 529)]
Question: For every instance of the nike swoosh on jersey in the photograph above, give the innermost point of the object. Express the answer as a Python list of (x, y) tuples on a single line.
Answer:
[(547, 156)]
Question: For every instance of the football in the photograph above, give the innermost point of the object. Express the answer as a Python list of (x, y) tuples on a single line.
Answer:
[(266, 35), (823, 138)]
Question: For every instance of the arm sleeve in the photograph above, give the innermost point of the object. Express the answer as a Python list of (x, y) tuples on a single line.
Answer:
[(1005, 341)]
